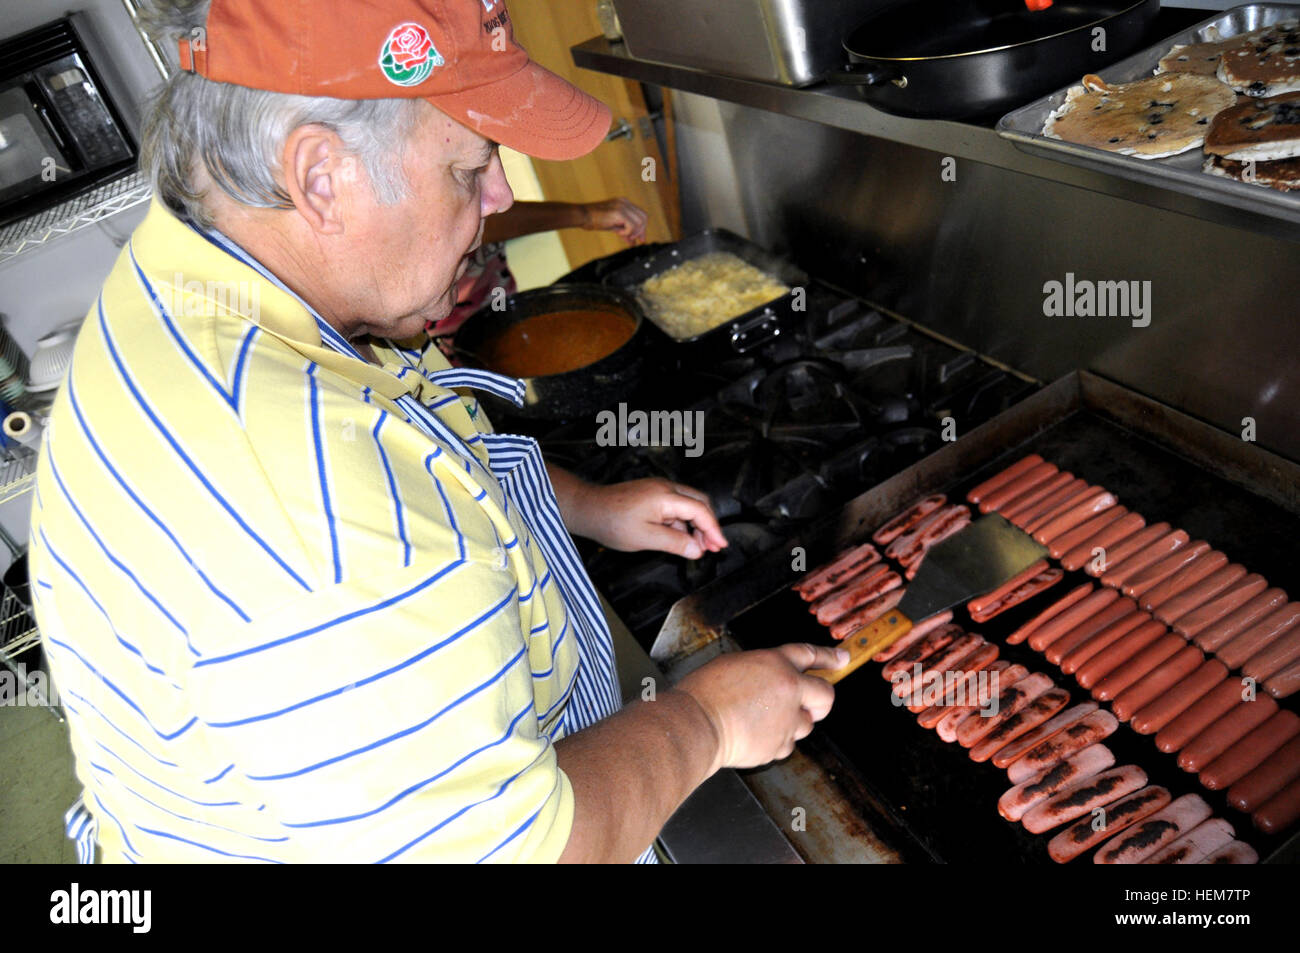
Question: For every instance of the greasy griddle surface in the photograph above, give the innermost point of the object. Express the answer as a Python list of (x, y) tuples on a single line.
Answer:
[(931, 789)]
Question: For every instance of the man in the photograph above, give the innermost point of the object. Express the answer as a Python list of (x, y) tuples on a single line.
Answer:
[(300, 601)]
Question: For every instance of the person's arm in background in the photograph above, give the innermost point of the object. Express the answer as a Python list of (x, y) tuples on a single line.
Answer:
[(527, 218)]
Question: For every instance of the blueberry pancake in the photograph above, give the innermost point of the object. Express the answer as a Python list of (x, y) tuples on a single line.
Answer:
[(1283, 175), (1261, 129), (1269, 65), (1151, 118), (1200, 58)]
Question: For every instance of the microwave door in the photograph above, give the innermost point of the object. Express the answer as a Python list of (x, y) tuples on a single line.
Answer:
[(30, 159)]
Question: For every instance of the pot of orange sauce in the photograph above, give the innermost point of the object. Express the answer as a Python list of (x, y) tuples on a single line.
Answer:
[(579, 349)]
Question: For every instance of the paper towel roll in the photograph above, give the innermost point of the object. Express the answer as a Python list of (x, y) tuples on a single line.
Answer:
[(22, 429)]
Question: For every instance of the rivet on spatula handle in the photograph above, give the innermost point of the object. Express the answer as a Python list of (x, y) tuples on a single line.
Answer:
[(866, 642)]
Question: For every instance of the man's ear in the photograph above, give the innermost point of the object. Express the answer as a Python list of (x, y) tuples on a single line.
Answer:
[(316, 171)]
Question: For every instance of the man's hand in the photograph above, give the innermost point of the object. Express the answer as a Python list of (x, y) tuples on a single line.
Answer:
[(760, 703), (647, 514), (619, 216), (631, 771)]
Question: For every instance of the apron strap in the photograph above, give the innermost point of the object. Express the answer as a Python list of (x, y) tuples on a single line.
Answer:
[(81, 828), (499, 385)]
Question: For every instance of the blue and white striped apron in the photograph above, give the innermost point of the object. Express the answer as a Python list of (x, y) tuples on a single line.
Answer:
[(517, 465)]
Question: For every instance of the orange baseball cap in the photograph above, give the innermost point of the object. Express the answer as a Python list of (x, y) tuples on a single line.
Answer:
[(460, 55)]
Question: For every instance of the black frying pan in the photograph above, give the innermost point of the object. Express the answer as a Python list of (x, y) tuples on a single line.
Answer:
[(576, 393), (976, 59)]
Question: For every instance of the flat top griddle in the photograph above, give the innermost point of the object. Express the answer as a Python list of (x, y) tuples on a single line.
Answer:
[(929, 790)]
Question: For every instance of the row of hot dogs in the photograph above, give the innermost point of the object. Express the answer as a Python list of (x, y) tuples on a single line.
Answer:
[(1120, 648), (1186, 584), (1115, 640), (1061, 773)]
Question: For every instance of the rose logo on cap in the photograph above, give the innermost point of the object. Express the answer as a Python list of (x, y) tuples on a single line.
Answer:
[(408, 56)]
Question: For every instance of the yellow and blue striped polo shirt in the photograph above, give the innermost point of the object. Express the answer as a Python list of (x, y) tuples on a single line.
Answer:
[(286, 624)]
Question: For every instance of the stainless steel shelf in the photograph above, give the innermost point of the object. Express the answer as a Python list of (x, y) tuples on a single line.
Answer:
[(17, 476), (77, 213), (843, 109)]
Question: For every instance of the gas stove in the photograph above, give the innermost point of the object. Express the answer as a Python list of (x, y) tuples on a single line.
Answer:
[(790, 431)]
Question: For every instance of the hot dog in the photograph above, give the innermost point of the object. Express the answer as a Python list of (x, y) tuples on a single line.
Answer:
[(1237, 595), (1087, 649), (1130, 546), (1086, 530), (1053, 629), (1051, 612), (1010, 752), (1021, 799), (1218, 634), (1079, 510), (976, 669), (1144, 580), (1010, 700), (1197, 844), (1235, 852), (856, 594), (1251, 751), (987, 689), (1091, 672), (1159, 681), (1020, 467), (1199, 593), (864, 615), (1049, 503), (979, 603), (1031, 716), (1278, 770), (1260, 635), (1240, 720), (907, 519), (1285, 683), (1198, 569), (906, 540), (1022, 593), (994, 500), (960, 647), (1280, 811), (1274, 657), (1216, 703), (1084, 834), (935, 683), (1108, 616), (1142, 560), (1159, 713), (1113, 536), (849, 564), (1159, 830), (863, 576), (1087, 731), (921, 649), (1026, 503), (950, 527), (1083, 796), (1130, 672), (914, 636)]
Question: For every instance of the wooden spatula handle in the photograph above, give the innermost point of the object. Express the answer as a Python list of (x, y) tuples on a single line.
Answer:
[(866, 642)]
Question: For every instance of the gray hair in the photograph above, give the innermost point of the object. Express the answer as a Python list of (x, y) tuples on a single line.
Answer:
[(236, 134)]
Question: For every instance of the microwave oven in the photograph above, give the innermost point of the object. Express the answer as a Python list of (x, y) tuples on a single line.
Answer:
[(61, 134)]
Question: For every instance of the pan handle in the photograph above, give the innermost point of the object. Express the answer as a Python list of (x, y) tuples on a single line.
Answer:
[(863, 74)]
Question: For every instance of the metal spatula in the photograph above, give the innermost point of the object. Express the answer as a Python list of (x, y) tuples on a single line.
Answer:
[(971, 563)]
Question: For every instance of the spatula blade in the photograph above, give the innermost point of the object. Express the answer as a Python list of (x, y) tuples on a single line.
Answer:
[(977, 560)]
